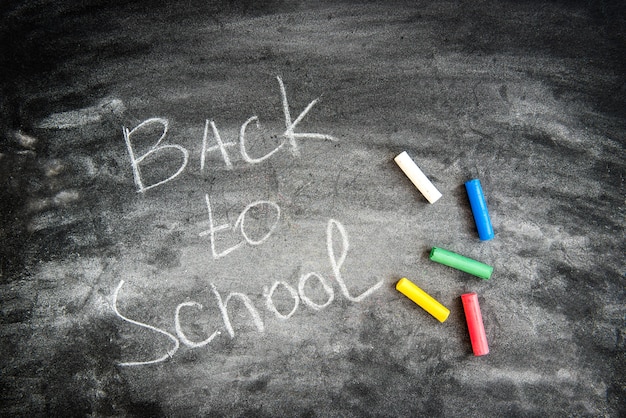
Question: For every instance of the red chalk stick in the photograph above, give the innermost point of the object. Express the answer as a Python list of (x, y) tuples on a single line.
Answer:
[(475, 324)]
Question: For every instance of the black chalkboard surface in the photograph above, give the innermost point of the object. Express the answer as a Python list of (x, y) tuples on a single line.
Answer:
[(201, 213)]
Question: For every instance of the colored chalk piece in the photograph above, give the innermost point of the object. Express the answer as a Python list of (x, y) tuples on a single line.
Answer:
[(479, 209), (418, 178), (460, 262), (423, 299), (475, 326)]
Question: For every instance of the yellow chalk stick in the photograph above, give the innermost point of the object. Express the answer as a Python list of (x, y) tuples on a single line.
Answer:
[(423, 299)]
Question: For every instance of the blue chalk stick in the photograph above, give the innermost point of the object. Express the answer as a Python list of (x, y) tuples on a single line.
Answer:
[(479, 209)]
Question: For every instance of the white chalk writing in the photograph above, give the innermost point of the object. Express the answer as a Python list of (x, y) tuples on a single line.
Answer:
[(169, 354), (269, 302), (327, 288), (291, 126), (135, 162), (222, 303), (336, 265), (179, 329), (220, 145), (241, 222), (254, 226)]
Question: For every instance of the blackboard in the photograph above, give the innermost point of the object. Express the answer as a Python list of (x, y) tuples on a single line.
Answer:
[(201, 214)]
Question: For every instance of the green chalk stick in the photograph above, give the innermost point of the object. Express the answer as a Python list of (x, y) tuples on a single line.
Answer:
[(460, 262)]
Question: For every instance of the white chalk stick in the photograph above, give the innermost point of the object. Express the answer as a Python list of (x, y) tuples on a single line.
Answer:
[(418, 178)]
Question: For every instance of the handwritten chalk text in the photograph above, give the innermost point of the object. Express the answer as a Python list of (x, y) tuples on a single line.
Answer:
[(240, 223), (289, 135), (297, 296), (311, 286)]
